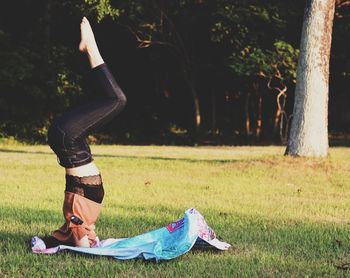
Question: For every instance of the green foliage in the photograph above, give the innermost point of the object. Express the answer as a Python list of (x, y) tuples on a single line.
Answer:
[(103, 8), (249, 62), (253, 61), (245, 23), (10, 73), (250, 27), (212, 50), (285, 57), (33, 88)]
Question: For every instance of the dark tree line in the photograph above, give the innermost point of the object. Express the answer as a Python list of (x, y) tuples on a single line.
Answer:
[(212, 72)]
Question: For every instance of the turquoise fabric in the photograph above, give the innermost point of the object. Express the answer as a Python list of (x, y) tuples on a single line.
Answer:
[(165, 243)]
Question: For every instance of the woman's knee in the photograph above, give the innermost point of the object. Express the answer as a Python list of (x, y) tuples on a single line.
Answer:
[(59, 138), (122, 101), (54, 136), (119, 103)]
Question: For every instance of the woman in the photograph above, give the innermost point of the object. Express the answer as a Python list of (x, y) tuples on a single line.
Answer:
[(67, 138)]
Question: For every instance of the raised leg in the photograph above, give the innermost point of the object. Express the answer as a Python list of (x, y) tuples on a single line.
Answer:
[(88, 44)]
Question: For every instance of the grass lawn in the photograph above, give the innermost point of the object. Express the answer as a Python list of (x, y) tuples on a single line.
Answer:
[(285, 217)]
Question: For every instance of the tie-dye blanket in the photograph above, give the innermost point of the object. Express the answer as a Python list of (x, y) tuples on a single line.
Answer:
[(165, 243)]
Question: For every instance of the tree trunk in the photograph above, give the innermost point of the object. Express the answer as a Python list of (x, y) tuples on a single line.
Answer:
[(213, 112), (309, 134), (197, 112), (259, 120), (196, 108), (247, 115), (276, 121)]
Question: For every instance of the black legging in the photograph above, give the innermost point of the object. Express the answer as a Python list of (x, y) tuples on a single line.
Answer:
[(67, 134)]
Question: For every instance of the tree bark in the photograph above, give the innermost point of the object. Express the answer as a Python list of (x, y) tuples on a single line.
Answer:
[(213, 112), (259, 120), (309, 134), (247, 115), (197, 111)]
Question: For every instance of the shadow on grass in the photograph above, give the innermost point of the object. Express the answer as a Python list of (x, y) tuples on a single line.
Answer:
[(21, 151), (215, 161)]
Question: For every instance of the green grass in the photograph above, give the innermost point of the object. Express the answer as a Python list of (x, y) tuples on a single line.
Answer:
[(285, 217)]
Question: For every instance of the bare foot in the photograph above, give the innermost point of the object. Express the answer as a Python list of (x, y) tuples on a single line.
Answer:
[(88, 44), (87, 36)]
